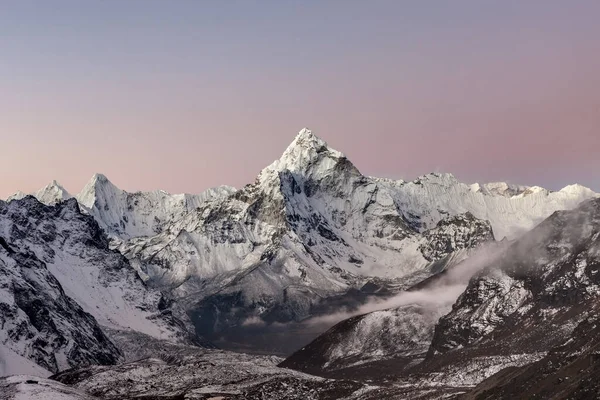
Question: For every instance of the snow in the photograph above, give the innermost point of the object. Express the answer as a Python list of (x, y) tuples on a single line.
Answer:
[(100, 280), (311, 220), (434, 195), (12, 363), (52, 194), (18, 195), (127, 215)]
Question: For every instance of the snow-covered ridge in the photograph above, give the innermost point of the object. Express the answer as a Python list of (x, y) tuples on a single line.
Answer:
[(511, 209), (428, 199), (127, 215), (314, 209), (122, 214)]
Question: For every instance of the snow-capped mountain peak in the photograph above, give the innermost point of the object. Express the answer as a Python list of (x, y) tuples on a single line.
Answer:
[(309, 156), (52, 193), (18, 195), (307, 139), (98, 186)]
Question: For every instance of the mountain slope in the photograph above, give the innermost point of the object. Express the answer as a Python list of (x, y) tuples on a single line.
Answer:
[(523, 304), (40, 322), (525, 324), (310, 227), (75, 252), (25, 387), (570, 370), (381, 344)]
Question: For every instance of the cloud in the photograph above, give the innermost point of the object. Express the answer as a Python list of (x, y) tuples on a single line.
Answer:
[(438, 294)]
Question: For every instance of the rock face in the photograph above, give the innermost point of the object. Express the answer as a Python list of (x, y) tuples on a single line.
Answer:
[(40, 322), (547, 282), (462, 231), (61, 282)]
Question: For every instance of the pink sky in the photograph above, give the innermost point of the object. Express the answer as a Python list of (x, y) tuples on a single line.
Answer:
[(182, 97)]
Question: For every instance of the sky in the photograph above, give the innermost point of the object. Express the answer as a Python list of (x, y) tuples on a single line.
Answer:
[(186, 95)]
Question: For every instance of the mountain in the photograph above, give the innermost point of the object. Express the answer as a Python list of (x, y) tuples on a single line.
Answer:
[(381, 344), (527, 302), (18, 195), (307, 236), (126, 215), (122, 214), (52, 193), (63, 287), (312, 227), (524, 326), (40, 322), (309, 228), (430, 303), (363, 346)]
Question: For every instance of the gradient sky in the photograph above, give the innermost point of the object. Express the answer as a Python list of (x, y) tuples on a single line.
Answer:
[(184, 95)]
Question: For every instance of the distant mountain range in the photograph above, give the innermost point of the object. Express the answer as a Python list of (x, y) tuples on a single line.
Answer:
[(268, 267)]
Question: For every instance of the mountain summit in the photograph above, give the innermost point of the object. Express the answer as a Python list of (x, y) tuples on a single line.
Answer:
[(310, 156), (52, 193)]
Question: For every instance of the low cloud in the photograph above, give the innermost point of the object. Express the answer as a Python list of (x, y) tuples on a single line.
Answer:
[(440, 293)]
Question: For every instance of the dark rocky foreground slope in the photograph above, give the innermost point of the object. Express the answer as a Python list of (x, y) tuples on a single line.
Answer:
[(570, 370)]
